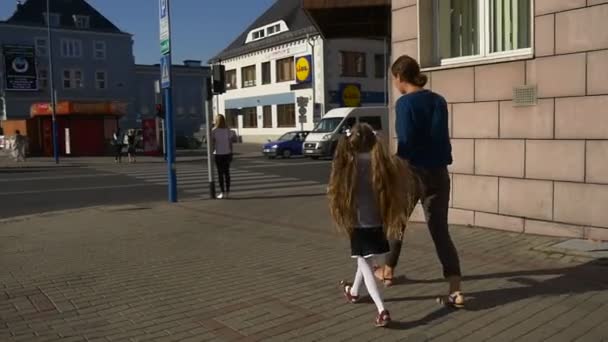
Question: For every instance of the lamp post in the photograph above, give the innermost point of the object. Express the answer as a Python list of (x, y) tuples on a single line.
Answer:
[(52, 83)]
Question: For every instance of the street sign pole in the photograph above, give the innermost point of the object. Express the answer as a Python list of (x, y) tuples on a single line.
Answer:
[(208, 123), (53, 92), (165, 71)]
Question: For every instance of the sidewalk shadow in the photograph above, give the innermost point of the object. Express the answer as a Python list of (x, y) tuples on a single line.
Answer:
[(574, 280)]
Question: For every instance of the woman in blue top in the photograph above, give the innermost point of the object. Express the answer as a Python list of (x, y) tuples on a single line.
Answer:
[(424, 141)]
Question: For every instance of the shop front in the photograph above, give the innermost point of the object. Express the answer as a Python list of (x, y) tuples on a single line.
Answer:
[(83, 128)]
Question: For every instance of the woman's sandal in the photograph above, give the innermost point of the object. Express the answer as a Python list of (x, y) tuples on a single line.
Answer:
[(346, 286), (388, 282), (454, 300)]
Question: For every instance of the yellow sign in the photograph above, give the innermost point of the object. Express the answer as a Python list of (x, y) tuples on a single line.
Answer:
[(303, 69), (351, 95)]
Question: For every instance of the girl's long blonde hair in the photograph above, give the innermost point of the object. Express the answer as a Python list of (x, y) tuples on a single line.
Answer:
[(392, 180)]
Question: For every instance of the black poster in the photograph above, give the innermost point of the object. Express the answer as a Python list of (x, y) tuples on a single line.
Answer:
[(20, 67)]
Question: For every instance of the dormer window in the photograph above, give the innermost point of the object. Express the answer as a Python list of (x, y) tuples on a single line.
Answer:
[(55, 19), (259, 34), (267, 31), (274, 29), (81, 21)]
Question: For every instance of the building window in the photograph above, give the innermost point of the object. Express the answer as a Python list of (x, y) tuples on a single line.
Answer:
[(353, 64), (274, 29), (259, 34), (81, 21), (286, 115), (285, 70), (231, 79), (380, 65), (250, 117), (232, 117), (42, 48), (99, 49), (248, 76), (470, 30), (43, 78), (71, 48), (374, 121), (55, 19), (101, 80), (267, 116), (266, 78), (72, 79)]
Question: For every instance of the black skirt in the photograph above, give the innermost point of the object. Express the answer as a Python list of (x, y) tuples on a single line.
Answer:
[(366, 242)]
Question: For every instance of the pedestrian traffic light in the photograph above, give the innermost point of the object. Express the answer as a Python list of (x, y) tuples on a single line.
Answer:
[(160, 111), (218, 79)]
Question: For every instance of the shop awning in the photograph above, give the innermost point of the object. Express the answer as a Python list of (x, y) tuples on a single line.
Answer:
[(80, 108), (350, 18)]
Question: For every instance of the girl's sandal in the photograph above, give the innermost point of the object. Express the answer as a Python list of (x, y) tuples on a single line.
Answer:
[(346, 286), (454, 300)]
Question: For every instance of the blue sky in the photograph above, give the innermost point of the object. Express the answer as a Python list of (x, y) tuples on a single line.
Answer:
[(200, 28)]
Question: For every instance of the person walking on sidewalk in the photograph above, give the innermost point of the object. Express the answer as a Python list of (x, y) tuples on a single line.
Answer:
[(117, 145), (19, 146), (131, 145), (367, 192), (222, 151), (424, 141)]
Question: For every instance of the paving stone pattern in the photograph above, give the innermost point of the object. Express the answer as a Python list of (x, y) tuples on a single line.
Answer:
[(267, 269)]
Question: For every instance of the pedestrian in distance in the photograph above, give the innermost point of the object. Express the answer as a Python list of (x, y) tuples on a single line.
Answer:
[(117, 145), (131, 145), (222, 152), (424, 141), (368, 190), (19, 146)]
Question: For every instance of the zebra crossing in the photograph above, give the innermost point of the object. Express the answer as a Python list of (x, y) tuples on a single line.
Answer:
[(193, 180)]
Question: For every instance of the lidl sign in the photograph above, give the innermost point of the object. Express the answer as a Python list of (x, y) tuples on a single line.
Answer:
[(350, 95), (304, 69)]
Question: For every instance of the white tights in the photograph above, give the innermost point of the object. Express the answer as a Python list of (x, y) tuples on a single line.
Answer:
[(364, 273)]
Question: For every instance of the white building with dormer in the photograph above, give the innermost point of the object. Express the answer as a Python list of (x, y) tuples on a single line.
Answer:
[(281, 58)]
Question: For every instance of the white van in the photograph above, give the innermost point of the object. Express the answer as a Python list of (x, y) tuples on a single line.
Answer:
[(322, 141)]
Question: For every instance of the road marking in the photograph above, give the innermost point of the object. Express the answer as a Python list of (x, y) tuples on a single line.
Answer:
[(272, 165), (6, 180), (74, 189)]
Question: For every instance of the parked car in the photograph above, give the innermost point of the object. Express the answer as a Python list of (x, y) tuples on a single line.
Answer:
[(290, 144), (323, 140)]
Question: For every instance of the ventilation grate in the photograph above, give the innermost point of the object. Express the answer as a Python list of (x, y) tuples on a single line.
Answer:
[(524, 96)]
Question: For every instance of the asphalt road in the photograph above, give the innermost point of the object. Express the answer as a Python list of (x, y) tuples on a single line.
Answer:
[(42, 189)]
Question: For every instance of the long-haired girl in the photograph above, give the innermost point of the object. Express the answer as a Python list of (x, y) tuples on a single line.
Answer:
[(369, 196)]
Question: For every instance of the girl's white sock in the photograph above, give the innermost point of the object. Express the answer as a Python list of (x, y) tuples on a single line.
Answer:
[(365, 268)]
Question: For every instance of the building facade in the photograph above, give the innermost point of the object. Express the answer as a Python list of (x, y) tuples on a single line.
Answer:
[(527, 86), (92, 59), (281, 65), (95, 78), (190, 91)]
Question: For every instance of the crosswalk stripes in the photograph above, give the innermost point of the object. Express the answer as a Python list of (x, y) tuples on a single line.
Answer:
[(193, 179)]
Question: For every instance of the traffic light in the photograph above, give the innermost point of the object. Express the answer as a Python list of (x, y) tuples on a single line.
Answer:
[(160, 110), (218, 79)]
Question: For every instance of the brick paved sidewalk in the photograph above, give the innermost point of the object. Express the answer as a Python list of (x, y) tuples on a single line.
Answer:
[(268, 269)]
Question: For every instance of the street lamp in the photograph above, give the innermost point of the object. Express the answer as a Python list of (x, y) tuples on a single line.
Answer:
[(52, 83)]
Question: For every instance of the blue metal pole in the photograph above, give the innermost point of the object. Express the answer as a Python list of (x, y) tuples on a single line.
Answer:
[(52, 83), (170, 143)]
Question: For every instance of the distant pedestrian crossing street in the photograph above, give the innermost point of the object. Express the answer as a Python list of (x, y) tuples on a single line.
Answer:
[(192, 180)]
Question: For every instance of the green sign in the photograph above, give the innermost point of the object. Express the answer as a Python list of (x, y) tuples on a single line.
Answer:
[(165, 46)]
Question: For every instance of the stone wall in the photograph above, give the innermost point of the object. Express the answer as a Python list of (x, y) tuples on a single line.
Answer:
[(540, 169)]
